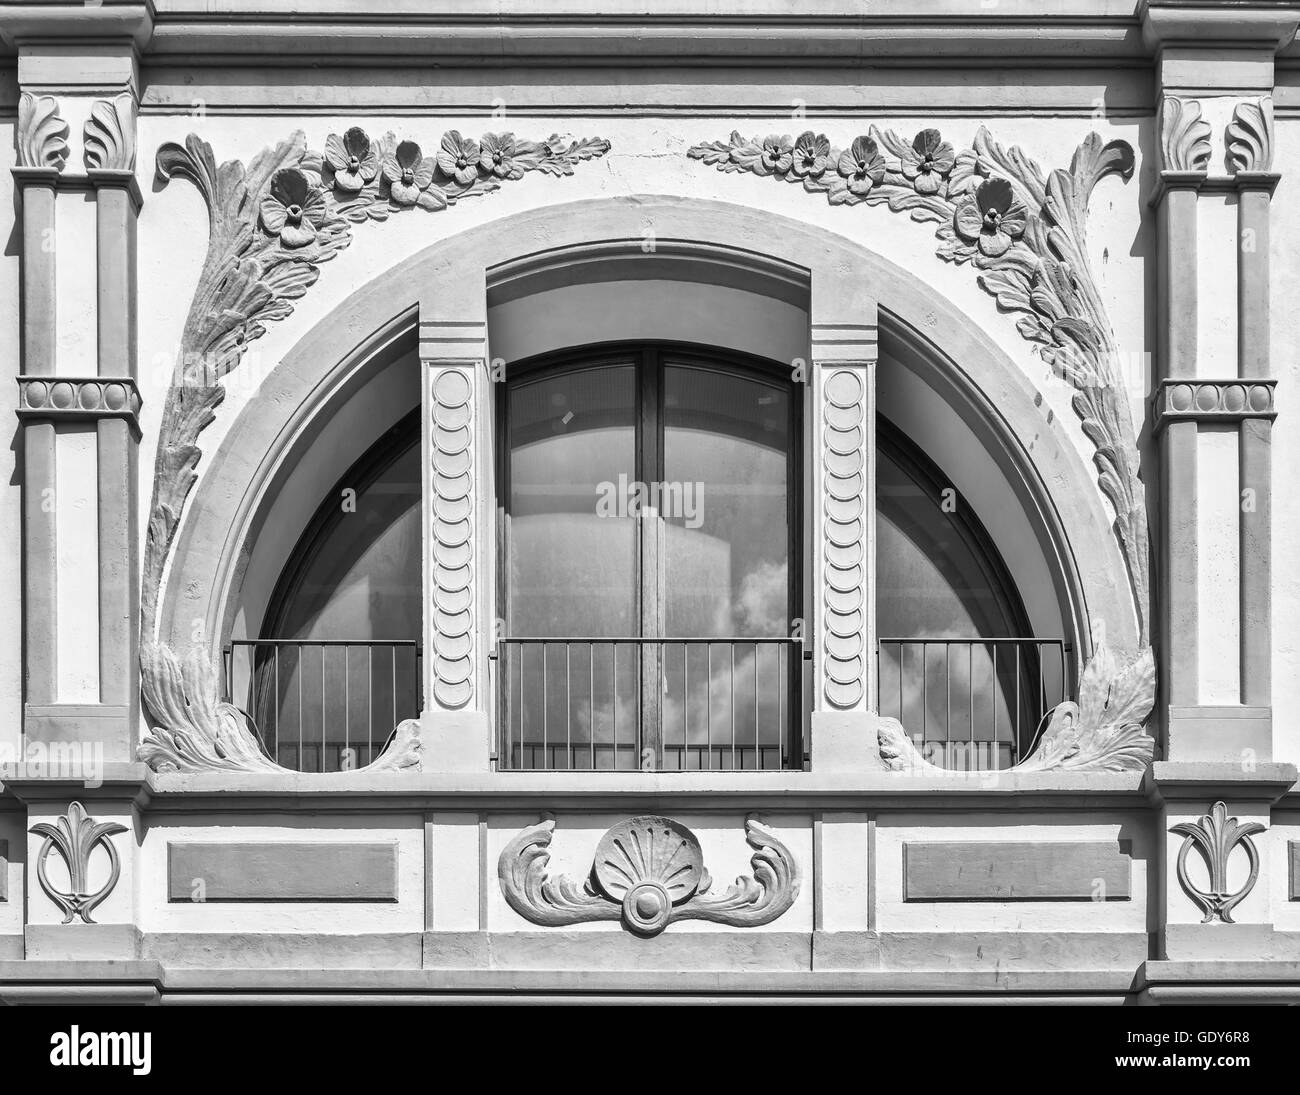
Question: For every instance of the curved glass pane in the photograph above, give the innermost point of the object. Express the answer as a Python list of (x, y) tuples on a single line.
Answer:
[(942, 598), (345, 670)]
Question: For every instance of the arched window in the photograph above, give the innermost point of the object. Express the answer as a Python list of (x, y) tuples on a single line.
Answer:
[(648, 577)]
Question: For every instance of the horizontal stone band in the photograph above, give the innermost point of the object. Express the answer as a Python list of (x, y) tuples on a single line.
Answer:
[(59, 397), (1213, 400)]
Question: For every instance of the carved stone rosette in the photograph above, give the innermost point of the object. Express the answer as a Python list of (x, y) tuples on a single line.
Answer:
[(647, 872), (1215, 836), (76, 835), (844, 401), (452, 535)]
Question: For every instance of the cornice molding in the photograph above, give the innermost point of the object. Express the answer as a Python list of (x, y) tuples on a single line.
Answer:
[(1218, 23)]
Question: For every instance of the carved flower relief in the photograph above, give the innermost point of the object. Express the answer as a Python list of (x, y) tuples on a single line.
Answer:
[(458, 158), (409, 175), (777, 156), (497, 156), (991, 218), (294, 208), (351, 159), (928, 162), (812, 153), (861, 166)]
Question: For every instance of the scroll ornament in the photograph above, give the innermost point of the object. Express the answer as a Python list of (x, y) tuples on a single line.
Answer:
[(1216, 836), (648, 872), (271, 225), (76, 835)]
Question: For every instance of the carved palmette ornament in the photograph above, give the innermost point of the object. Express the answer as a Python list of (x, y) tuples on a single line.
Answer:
[(648, 872), (76, 835), (1215, 836)]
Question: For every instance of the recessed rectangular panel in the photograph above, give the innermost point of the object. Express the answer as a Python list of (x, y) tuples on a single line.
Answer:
[(1017, 871), (277, 871)]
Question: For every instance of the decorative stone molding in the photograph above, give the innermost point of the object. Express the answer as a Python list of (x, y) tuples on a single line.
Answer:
[(1101, 732), (42, 133), (202, 733), (271, 225), (1249, 136), (1024, 233), (110, 135), (1184, 136), (649, 872), (1221, 401), (1215, 836), (452, 534), (844, 529), (76, 835), (86, 398)]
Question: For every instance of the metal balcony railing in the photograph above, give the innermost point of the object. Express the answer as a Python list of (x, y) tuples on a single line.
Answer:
[(622, 704), (973, 704), (325, 706)]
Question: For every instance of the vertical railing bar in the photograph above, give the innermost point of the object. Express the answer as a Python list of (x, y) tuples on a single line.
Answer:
[(322, 709), (782, 668), (546, 711), (731, 706), (591, 701), (686, 704), (347, 702), (276, 705), (925, 698), (568, 711), (1015, 745), (995, 690), (708, 703), (393, 658), (300, 730), (613, 662)]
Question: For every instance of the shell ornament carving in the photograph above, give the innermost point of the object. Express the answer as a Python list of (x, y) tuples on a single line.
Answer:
[(452, 527), (844, 459), (1215, 836), (647, 872), (76, 835)]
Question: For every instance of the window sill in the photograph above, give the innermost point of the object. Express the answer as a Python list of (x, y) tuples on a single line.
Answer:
[(624, 792)]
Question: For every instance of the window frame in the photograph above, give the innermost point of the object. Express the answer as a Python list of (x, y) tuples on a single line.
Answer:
[(650, 358)]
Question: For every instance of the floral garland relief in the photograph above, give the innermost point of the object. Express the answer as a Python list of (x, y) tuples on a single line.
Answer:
[(1024, 233), (271, 225)]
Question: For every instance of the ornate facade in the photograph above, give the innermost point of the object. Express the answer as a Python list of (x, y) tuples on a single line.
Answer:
[(834, 453)]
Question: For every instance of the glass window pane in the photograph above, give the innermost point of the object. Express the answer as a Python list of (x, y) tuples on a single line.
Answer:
[(572, 551)]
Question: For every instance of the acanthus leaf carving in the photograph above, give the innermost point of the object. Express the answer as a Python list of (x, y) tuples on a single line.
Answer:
[(1025, 233), (76, 835), (647, 872), (42, 132), (200, 732), (109, 135), (270, 227), (1215, 836), (1103, 731), (1184, 135), (1249, 136)]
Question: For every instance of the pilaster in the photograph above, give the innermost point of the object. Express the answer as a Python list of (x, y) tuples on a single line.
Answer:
[(842, 455), (78, 401), (458, 540)]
